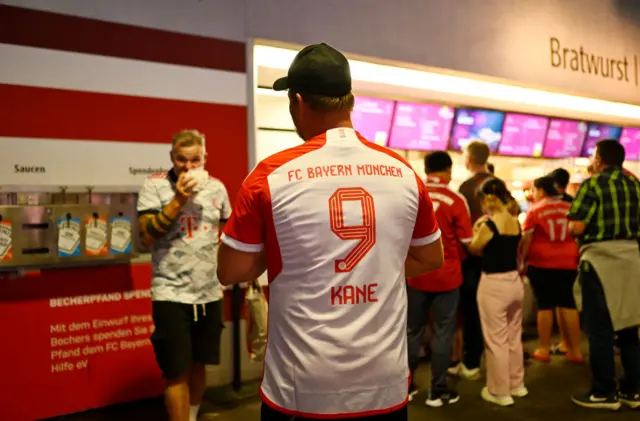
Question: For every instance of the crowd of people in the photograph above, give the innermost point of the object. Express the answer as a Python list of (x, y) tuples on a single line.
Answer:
[(360, 251), (486, 267)]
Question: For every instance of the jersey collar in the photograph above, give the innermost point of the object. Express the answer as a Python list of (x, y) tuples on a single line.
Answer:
[(341, 134), (549, 199), (434, 179)]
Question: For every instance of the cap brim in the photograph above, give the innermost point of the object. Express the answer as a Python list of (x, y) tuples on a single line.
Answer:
[(281, 84)]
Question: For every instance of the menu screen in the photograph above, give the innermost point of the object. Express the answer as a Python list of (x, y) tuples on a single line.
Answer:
[(564, 138), (523, 135), (477, 125), (421, 127), (371, 117), (598, 132), (630, 139)]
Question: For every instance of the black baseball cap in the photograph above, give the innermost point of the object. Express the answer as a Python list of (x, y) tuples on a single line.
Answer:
[(317, 69)]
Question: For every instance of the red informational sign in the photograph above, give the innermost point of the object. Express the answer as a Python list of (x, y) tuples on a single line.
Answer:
[(77, 339)]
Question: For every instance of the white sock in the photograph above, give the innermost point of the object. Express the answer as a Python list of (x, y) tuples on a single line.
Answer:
[(193, 416)]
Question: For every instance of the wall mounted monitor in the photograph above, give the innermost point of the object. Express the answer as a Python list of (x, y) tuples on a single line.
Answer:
[(523, 135), (421, 127), (476, 125), (598, 132), (564, 138), (371, 117), (630, 139)]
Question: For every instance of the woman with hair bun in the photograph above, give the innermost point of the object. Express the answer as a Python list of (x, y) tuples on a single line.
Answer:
[(500, 294)]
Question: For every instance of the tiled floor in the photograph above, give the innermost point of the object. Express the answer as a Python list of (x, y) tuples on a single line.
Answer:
[(550, 386)]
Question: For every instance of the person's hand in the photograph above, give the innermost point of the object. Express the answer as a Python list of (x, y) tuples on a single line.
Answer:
[(523, 269), (184, 187)]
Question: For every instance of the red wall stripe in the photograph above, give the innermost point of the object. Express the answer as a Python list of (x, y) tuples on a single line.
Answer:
[(31, 112), (35, 28)]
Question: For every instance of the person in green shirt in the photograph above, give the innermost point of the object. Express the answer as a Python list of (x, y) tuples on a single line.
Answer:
[(605, 217)]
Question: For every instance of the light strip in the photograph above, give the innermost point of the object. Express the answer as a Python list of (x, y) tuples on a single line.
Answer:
[(280, 58)]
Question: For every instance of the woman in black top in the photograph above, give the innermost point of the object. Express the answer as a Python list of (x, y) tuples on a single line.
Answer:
[(500, 294)]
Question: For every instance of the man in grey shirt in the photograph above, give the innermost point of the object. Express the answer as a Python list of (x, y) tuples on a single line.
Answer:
[(182, 227)]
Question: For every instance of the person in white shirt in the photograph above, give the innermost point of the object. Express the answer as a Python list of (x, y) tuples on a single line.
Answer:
[(180, 218), (338, 223)]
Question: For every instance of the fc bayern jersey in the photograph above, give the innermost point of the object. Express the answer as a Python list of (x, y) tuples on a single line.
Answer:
[(184, 260), (552, 246), (454, 219), (335, 217)]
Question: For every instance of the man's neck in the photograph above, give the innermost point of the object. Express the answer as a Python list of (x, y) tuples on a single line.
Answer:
[(329, 124), (478, 169)]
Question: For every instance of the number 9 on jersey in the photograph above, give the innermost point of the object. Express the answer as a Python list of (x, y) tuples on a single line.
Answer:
[(365, 233)]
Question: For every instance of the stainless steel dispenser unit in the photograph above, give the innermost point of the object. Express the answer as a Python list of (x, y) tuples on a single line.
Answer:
[(44, 227)]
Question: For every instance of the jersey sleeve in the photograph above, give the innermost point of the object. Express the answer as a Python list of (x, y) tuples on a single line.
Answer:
[(148, 198), (462, 220), (530, 221), (245, 229), (426, 229)]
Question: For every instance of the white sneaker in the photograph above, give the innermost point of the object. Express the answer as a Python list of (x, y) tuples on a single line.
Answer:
[(519, 392), (454, 370), (498, 400), (436, 400), (413, 391), (469, 374)]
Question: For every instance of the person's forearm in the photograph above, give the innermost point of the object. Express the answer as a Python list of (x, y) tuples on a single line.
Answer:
[(524, 251), (155, 226), (475, 250), (230, 272), (577, 228), (259, 268), (413, 267)]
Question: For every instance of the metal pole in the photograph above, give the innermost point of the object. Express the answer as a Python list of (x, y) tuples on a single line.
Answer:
[(236, 307)]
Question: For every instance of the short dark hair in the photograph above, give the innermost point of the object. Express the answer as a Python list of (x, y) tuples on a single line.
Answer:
[(611, 152), (495, 187), (491, 168), (547, 184), (437, 161), (561, 177)]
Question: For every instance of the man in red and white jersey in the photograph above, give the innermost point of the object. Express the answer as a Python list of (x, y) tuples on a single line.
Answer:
[(338, 223), (551, 255), (439, 291)]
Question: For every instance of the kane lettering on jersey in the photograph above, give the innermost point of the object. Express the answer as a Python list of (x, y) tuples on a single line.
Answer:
[(452, 213), (552, 246), (335, 217), (184, 261)]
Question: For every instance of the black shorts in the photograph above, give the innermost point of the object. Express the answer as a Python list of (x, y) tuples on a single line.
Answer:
[(553, 287), (269, 414), (179, 340)]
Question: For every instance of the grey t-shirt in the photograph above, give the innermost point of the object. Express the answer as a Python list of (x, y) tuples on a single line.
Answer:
[(184, 261)]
